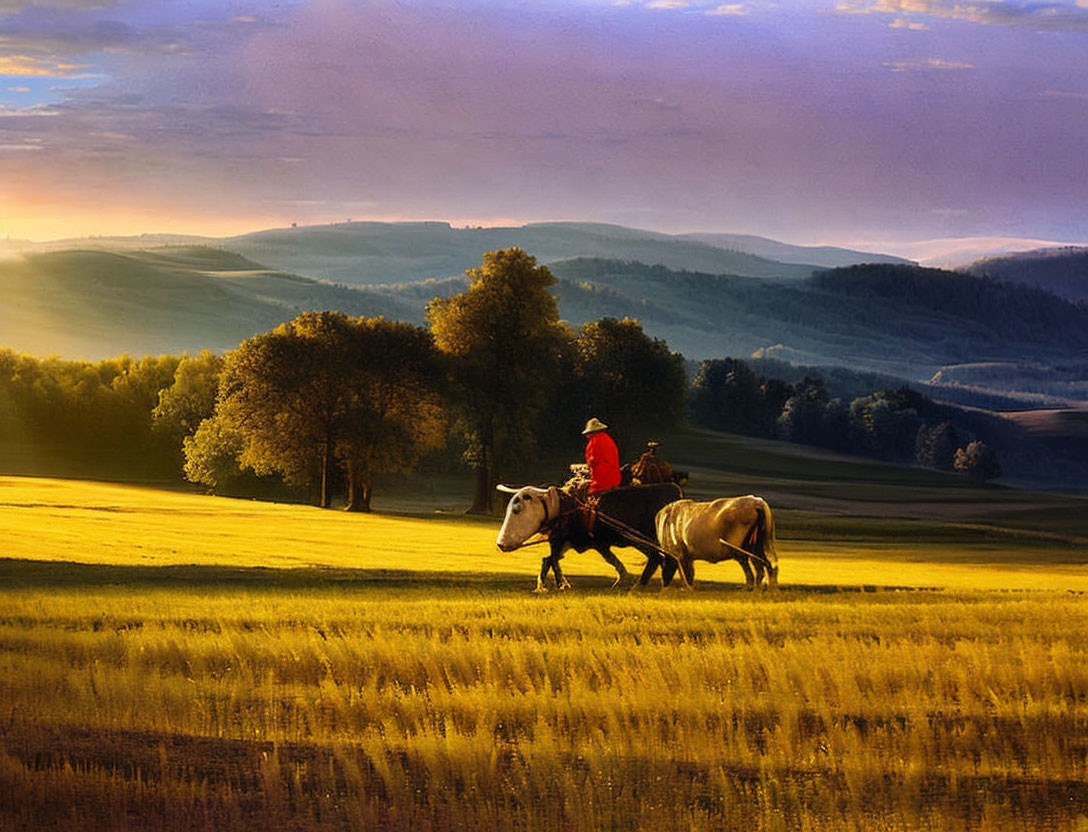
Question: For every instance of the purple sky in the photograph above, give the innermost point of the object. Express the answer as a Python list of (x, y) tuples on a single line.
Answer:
[(810, 122)]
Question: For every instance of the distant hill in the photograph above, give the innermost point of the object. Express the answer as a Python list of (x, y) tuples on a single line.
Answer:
[(367, 253), (826, 256), (96, 304), (900, 321), (1063, 271), (903, 321)]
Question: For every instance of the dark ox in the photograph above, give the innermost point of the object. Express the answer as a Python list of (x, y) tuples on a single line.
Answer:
[(560, 517), (731, 528)]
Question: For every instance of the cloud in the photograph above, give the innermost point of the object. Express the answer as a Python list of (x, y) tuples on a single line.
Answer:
[(668, 4), (926, 63), (732, 9), (900, 23), (25, 65), (1048, 16)]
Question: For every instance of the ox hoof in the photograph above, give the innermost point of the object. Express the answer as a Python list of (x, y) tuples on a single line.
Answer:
[(564, 585), (540, 590)]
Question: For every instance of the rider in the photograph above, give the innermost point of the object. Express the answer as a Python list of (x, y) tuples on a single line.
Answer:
[(602, 457)]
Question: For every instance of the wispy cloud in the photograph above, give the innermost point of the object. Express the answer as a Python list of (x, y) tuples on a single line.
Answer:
[(926, 63), (1050, 16), (900, 23), (739, 9), (668, 4), (26, 65)]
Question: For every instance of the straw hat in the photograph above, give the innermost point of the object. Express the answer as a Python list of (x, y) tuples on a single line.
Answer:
[(594, 425)]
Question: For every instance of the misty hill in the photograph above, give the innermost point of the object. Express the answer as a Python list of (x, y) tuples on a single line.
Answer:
[(362, 253), (826, 256), (1063, 271), (903, 321), (96, 304)]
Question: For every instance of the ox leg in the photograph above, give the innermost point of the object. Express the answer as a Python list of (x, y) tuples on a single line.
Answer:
[(687, 569), (668, 571), (622, 576), (653, 561), (551, 564), (749, 576)]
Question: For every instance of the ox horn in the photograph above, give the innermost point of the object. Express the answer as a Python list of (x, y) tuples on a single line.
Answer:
[(506, 489)]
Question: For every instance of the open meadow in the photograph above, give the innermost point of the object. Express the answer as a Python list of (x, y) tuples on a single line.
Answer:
[(179, 662)]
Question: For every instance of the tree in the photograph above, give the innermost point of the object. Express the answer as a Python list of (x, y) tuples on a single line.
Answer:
[(978, 461), (191, 398), (325, 392), (935, 447), (397, 413), (504, 339), (726, 395), (632, 381)]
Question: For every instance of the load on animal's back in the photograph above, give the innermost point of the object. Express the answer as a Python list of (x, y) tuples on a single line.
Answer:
[(651, 468), (730, 528)]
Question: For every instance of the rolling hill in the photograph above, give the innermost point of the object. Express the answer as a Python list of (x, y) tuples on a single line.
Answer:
[(96, 304), (1063, 271), (901, 321), (362, 253)]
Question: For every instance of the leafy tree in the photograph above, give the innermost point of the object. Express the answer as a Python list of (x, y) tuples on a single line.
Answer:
[(397, 413), (632, 381), (325, 391), (935, 446), (191, 398), (726, 395), (504, 338), (978, 461)]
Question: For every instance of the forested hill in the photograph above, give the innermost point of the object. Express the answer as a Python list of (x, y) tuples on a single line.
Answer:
[(1063, 271), (991, 309), (901, 320)]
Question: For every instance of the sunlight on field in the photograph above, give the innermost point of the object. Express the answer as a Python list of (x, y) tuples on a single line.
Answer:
[(181, 662), (81, 522)]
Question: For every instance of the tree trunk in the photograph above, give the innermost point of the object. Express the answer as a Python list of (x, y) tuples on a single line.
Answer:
[(481, 501), (326, 466), (358, 490)]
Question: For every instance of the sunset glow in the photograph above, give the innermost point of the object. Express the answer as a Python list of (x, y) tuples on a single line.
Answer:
[(816, 121)]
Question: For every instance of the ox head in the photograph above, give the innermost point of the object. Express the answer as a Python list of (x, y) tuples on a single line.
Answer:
[(526, 514)]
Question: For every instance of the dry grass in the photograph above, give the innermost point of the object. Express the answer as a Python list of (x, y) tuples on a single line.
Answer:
[(289, 683)]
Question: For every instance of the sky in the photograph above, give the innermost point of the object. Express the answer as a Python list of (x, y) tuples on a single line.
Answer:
[(818, 121)]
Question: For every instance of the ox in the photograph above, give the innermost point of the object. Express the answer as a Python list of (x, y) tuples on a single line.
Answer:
[(567, 525), (731, 528)]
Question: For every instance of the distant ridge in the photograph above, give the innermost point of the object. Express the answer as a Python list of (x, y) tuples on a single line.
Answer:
[(1063, 270), (830, 257)]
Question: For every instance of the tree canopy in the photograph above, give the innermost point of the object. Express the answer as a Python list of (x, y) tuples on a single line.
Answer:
[(504, 340)]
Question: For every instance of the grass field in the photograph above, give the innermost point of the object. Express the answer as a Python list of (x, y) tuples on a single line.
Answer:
[(175, 661)]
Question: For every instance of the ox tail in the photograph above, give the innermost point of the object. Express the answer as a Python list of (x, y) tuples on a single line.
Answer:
[(766, 543)]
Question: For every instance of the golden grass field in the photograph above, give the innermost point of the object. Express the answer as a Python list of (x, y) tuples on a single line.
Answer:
[(179, 662)]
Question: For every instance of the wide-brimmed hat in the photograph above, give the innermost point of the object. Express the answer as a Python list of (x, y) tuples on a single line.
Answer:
[(594, 425)]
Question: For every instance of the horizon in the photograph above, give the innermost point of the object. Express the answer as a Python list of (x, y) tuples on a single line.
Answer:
[(939, 252), (820, 122)]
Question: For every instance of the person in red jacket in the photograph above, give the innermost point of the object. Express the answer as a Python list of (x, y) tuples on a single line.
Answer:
[(602, 457)]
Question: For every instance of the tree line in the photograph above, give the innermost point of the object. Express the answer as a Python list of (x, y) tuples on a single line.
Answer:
[(896, 424), (330, 401), (333, 402)]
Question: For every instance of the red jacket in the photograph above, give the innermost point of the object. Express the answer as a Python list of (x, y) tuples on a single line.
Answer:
[(603, 459)]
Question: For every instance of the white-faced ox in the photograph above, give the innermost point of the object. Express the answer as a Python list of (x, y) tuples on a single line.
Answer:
[(560, 517), (731, 528)]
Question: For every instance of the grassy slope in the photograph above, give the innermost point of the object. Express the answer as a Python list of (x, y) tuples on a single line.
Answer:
[(842, 521), (73, 303)]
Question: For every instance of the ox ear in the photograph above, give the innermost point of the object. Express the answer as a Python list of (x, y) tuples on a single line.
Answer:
[(506, 489)]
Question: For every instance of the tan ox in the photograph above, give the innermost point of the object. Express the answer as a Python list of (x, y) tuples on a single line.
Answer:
[(731, 528)]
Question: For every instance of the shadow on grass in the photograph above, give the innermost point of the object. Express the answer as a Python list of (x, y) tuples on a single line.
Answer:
[(31, 574)]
